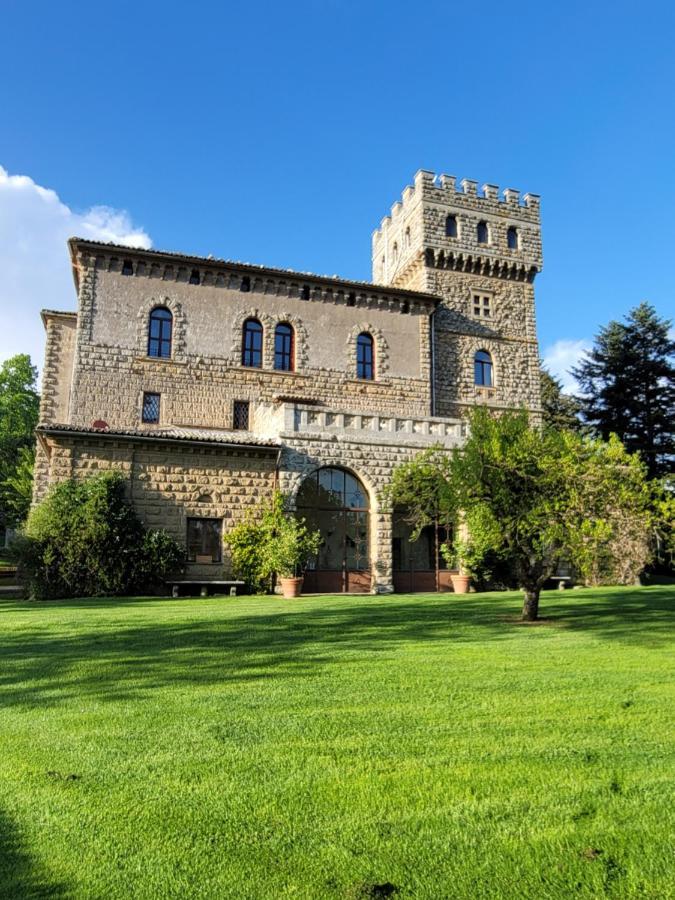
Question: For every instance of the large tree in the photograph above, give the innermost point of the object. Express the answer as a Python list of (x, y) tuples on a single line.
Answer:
[(19, 408), (559, 410), (628, 386)]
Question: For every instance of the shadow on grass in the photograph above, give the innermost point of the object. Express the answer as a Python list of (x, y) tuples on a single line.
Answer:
[(20, 876), (114, 660)]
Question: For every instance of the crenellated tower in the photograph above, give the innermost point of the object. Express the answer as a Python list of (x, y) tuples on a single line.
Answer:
[(479, 252)]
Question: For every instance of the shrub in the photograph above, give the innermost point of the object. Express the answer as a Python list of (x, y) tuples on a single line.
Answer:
[(84, 539)]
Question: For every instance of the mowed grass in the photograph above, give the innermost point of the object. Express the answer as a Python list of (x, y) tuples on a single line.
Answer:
[(409, 746)]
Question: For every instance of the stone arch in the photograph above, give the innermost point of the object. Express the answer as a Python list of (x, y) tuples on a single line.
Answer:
[(300, 337), (267, 323), (381, 349), (179, 326)]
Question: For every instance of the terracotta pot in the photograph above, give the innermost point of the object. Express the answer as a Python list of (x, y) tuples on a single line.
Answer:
[(460, 583), (291, 587)]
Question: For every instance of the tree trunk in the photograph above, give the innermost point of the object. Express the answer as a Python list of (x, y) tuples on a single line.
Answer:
[(531, 605)]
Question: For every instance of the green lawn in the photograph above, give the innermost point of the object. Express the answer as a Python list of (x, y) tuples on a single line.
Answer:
[(410, 746)]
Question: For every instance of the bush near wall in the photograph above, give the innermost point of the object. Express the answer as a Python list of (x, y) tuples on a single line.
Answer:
[(85, 540)]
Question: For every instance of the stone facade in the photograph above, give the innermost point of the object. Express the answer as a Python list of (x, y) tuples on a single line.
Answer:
[(194, 462)]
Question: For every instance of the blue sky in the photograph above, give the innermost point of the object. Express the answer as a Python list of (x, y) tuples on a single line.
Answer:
[(282, 133)]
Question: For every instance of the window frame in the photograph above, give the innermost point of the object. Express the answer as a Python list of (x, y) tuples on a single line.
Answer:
[(188, 522), (145, 398), (451, 217), (237, 407), (512, 230), (162, 342), (478, 299), (483, 366), (483, 224), (248, 354), (365, 368), (287, 353)]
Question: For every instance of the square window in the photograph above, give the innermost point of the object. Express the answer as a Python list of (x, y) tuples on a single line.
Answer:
[(150, 408), (204, 540), (482, 305), (240, 415)]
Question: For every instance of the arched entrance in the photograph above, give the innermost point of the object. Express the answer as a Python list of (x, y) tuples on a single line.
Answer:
[(335, 502)]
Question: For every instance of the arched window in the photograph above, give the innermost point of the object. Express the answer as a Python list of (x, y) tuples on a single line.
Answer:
[(512, 238), (252, 344), (482, 233), (283, 347), (394, 252), (365, 356), (159, 332), (407, 238), (451, 226), (482, 369)]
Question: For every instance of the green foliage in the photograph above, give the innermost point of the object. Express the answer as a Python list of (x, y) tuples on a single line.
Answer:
[(19, 409), (84, 539), (272, 541), (559, 410), (663, 506), (423, 490), (537, 496), (628, 385)]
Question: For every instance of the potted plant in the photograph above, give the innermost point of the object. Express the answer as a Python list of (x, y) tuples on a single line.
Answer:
[(458, 556), (289, 548)]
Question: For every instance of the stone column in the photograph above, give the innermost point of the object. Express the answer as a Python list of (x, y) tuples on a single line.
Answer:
[(381, 549)]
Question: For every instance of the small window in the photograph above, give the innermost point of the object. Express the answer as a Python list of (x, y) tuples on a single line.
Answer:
[(204, 540), (407, 238), (304, 293), (240, 415), (245, 284), (127, 267), (451, 226), (482, 306), (252, 343), (283, 347), (365, 357), (482, 233), (512, 238), (150, 408), (194, 276), (405, 307), (159, 333), (482, 368), (351, 299), (394, 252)]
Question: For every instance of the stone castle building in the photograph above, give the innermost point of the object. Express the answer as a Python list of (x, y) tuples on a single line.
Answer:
[(210, 383)]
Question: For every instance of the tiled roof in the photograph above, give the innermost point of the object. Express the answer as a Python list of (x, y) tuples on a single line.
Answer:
[(199, 435), (253, 267)]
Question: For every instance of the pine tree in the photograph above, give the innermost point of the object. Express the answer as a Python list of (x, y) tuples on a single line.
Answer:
[(559, 410), (628, 387)]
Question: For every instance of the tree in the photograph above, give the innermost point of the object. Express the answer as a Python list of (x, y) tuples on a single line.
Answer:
[(424, 492), (559, 410), (19, 409), (541, 495), (628, 387)]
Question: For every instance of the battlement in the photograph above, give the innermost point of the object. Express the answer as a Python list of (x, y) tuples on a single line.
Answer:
[(419, 224)]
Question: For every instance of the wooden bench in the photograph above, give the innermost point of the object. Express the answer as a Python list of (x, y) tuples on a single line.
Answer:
[(204, 584)]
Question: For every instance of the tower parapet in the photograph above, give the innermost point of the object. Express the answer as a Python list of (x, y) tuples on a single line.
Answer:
[(498, 230)]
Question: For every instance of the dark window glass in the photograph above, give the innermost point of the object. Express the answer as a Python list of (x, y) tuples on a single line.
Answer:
[(351, 300), (304, 293), (150, 408), (512, 238), (482, 233), (204, 540), (240, 415), (365, 357), (159, 332), (194, 276), (482, 367), (251, 350), (246, 284), (283, 347), (451, 226), (127, 267)]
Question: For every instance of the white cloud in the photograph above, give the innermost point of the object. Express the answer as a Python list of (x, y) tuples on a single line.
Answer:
[(561, 356), (35, 270)]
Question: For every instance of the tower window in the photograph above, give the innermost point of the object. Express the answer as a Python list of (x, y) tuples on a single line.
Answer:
[(407, 238), (482, 233), (283, 347), (451, 226), (394, 251), (351, 299), (365, 356), (159, 332), (240, 411), (127, 267), (150, 413), (194, 276), (304, 293), (252, 343), (512, 238), (245, 284), (482, 369), (482, 306)]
